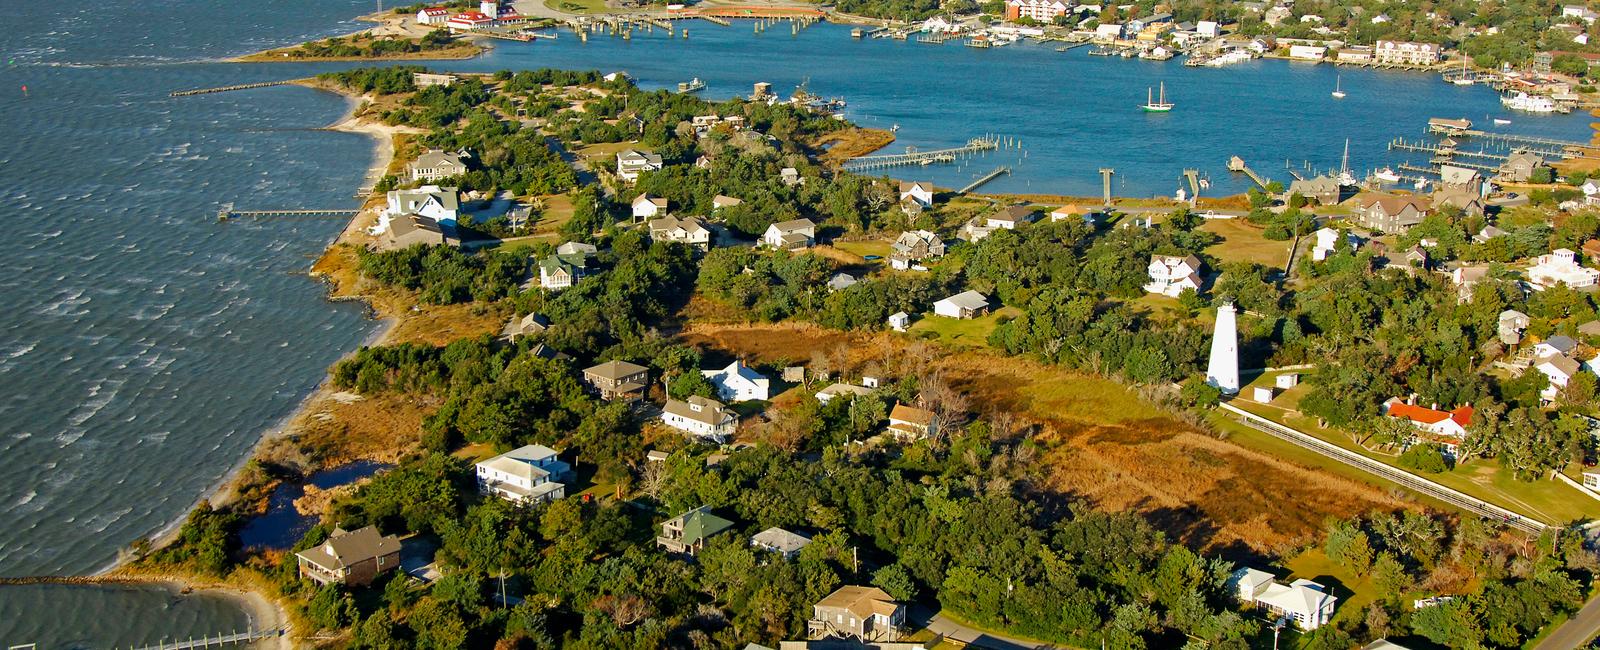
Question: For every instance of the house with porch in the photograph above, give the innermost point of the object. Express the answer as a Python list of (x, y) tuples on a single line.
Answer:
[(967, 304), (632, 162), (351, 558), (794, 234), (1170, 275), (866, 614), (646, 206), (618, 380), (687, 533), (701, 417), (528, 474), (436, 165), (739, 382), (1304, 603), (689, 230), (1391, 213)]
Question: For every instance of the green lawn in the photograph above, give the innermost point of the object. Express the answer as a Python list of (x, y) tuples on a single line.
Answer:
[(864, 248), (1354, 592), (959, 332), (1545, 500), (577, 6)]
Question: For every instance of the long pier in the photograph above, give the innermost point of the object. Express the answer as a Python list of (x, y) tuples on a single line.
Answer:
[(997, 173), (223, 89), (1423, 147), (1236, 164), (227, 212), (949, 155), (248, 636)]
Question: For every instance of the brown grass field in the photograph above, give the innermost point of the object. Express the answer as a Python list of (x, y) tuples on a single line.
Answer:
[(1102, 442), (845, 144), (1242, 242)]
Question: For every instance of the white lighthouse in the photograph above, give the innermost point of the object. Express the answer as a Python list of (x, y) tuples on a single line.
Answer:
[(1223, 371)]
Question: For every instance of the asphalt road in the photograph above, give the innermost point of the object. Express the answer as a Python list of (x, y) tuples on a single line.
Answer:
[(1576, 631)]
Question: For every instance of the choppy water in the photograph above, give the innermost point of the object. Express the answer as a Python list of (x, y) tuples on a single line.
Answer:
[(146, 347), (70, 617)]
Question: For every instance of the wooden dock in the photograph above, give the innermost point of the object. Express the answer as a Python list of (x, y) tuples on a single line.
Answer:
[(1423, 147), (223, 89), (913, 157), (1236, 164), (997, 173), (227, 212), (248, 636)]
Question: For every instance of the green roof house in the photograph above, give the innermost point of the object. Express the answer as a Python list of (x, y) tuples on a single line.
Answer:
[(688, 532)]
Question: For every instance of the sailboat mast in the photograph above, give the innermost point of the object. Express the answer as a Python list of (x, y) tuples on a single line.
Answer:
[(1344, 164)]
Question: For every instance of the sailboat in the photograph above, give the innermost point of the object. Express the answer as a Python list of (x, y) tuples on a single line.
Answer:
[(1338, 90), (1153, 106)]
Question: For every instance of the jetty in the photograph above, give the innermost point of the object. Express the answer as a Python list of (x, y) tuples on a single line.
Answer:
[(223, 89), (914, 157), (236, 638), (1236, 164), (997, 173)]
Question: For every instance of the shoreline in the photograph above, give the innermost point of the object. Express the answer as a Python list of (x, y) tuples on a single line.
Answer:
[(263, 611)]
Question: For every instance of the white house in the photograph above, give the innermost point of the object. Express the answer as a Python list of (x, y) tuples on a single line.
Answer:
[(1208, 28), (1512, 322), (739, 383), (688, 230), (917, 192), (967, 304), (528, 474), (433, 16), (557, 272), (631, 163), (911, 423), (1307, 52), (437, 203), (1560, 266), (435, 165), (1328, 242), (1581, 12), (1170, 274), (701, 417), (1559, 369), (840, 390), (790, 235), (1010, 218), (780, 541), (648, 207), (1073, 211), (1107, 32), (1452, 423), (1558, 344), (899, 320), (1304, 602)]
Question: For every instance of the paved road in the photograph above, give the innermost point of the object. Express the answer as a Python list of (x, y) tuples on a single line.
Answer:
[(1406, 479), (1576, 631), (935, 622)]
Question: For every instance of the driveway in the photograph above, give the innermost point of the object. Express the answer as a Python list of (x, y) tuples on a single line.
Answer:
[(1576, 631), (922, 617)]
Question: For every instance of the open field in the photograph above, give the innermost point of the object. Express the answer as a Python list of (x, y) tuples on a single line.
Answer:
[(578, 6), (1545, 500), (1101, 442), (1354, 592), (963, 332), (1242, 242), (864, 248), (844, 144)]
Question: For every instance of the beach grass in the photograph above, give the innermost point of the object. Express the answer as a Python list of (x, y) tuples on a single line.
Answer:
[(963, 332)]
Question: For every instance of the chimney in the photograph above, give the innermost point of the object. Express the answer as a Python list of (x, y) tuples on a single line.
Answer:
[(1435, 406)]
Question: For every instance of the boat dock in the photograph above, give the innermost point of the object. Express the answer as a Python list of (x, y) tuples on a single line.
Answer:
[(914, 157), (1236, 164), (997, 173), (223, 89), (227, 212), (236, 638), (1442, 151)]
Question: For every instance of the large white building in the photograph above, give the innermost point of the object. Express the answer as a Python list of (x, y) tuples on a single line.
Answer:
[(1407, 52), (632, 162), (1043, 11), (1171, 274), (1303, 602), (739, 383), (1560, 266), (701, 417), (528, 474), (1223, 369)]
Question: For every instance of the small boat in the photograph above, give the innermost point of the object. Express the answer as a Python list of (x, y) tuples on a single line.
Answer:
[(1421, 184), (1338, 91), (1501, 121), (1151, 105), (1386, 175), (692, 86)]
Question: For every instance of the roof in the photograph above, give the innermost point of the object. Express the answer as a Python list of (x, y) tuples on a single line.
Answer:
[(576, 248), (411, 200), (659, 202), (1173, 260), (615, 370), (843, 389), (1591, 328), (722, 201), (1302, 596), (344, 549), (554, 263), (700, 409), (736, 369), (688, 224), (861, 601), (1560, 342), (907, 186), (1014, 213), (699, 524), (780, 540), (1391, 204), (1560, 362), (794, 225), (968, 300), (841, 281), (524, 462), (437, 158), (1461, 415), (411, 223), (911, 414)]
